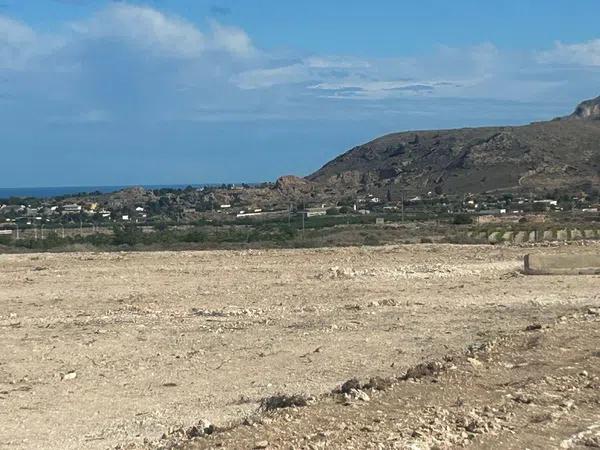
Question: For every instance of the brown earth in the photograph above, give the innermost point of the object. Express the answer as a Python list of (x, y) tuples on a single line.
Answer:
[(106, 349)]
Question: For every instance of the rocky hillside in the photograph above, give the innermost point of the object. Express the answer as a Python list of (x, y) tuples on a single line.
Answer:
[(562, 153)]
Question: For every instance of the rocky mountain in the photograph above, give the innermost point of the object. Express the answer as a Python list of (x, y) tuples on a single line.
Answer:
[(563, 153), (589, 109)]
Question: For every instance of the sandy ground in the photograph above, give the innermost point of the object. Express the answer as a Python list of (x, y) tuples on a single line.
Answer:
[(106, 349)]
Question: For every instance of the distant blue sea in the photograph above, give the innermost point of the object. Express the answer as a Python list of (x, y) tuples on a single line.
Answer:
[(44, 192)]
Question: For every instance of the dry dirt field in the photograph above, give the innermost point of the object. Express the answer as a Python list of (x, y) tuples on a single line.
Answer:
[(100, 350)]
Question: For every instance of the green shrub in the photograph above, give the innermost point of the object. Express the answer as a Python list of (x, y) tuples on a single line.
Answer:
[(462, 219)]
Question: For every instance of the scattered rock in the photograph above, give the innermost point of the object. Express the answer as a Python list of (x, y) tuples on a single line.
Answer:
[(68, 376), (202, 428), (349, 385), (594, 311), (261, 444), (379, 384), (358, 394), (567, 404), (424, 369), (522, 398), (475, 362), (279, 401)]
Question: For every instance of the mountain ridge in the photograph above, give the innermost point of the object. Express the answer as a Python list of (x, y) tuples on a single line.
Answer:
[(563, 153)]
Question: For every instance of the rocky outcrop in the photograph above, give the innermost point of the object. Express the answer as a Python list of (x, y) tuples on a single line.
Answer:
[(588, 110), (561, 153), (291, 184)]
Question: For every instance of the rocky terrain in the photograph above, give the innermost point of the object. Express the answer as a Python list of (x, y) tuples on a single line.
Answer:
[(560, 154), (537, 388), (155, 349)]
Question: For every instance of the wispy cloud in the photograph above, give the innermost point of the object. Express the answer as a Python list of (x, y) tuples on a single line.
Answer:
[(141, 63), (581, 54)]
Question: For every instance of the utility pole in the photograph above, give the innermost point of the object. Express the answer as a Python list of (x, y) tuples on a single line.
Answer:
[(402, 206), (303, 214)]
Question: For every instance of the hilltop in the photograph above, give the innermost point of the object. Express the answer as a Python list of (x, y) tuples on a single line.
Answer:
[(563, 153)]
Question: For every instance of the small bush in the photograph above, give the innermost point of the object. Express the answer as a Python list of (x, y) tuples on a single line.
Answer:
[(279, 401), (462, 219)]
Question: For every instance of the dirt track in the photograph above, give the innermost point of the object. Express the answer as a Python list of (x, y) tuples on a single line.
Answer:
[(107, 349)]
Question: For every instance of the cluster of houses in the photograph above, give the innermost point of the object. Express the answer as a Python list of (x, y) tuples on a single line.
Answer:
[(479, 205), (50, 213)]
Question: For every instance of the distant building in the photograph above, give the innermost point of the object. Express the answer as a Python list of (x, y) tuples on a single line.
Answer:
[(242, 214), (249, 214), (312, 212), (547, 202), (71, 209)]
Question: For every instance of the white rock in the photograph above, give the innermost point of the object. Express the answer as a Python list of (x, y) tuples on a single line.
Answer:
[(68, 376)]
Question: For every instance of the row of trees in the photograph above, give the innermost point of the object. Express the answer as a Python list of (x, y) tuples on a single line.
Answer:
[(130, 235)]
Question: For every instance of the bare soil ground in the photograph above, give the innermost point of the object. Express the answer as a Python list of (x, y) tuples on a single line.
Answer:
[(534, 389), (107, 349)]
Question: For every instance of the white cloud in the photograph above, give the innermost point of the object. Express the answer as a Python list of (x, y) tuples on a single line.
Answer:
[(265, 78), (15, 33), (168, 36), (231, 39), (584, 54), (445, 73), (145, 28), (359, 89), (127, 61), (19, 44), (336, 62)]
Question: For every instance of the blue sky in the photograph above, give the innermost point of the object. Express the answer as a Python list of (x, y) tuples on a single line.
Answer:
[(98, 92)]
